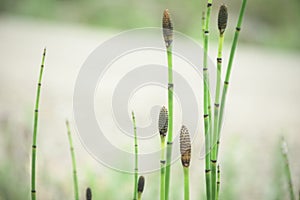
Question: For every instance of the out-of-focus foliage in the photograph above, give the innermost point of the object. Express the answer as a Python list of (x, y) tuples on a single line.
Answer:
[(272, 23)]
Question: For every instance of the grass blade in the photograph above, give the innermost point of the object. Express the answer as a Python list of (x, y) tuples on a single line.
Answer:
[(35, 125), (75, 179), (168, 37), (135, 159)]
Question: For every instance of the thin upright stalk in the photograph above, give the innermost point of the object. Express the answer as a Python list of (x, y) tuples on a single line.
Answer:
[(218, 183), (35, 125), (163, 128), (186, 183), (168, 37), (222, 23), (229, 66), (287, 169), (162, 170), (135, 158), (75, 179), (206, 105)]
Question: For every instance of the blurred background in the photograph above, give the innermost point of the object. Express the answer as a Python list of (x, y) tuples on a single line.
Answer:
[(263, 101)]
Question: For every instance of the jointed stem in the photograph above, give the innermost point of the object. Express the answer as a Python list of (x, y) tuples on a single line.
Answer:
[(186, 183), (216, 119), (162, 169), (34, 139), (75, 180), (170, 122), (135, 192), (207, 115), (218, 183), (229, 67)]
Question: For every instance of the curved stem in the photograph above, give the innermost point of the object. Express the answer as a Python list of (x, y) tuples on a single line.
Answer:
[(35, 124)]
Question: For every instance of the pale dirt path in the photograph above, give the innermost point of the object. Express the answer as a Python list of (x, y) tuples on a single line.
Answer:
[(264, 97)]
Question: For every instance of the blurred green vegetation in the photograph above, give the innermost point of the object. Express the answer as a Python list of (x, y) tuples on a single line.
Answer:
[(271, 23)]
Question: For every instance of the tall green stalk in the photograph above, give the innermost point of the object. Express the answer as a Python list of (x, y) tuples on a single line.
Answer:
[(185, 150), (168, 37), (222, 23), (163, 128), (229, 66), (136, 158), (75, 179), (206, 104), (35, 125), (287, 169)]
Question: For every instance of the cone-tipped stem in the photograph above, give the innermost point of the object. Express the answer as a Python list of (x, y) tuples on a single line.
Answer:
[(168, 36), (135, 194), (141, 185), (167, 28), (163, 122), (35, 127), (88, 194), (75, 179), (163, 128), (222, 19), (185, 146)]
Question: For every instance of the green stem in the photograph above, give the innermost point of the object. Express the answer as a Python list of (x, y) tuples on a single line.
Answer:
[(186, 183), (287, 169), (139, 196), (170, 122), (162, 169), (34, 139), (218, 183), (75, 180), (207, 115), (229, 67), (136, 159), (215, 137)]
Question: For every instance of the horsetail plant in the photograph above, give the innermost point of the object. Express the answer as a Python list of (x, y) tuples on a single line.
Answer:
[(140, 189), (206, 104), (163, 128), (222, 23), (135, 158), (35, 125), (229, 66), (284, 150), (88, 194), (75, 179), (185, 150), (168, 38)]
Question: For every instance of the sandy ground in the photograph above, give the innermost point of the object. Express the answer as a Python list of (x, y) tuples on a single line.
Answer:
[(263, 102)]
